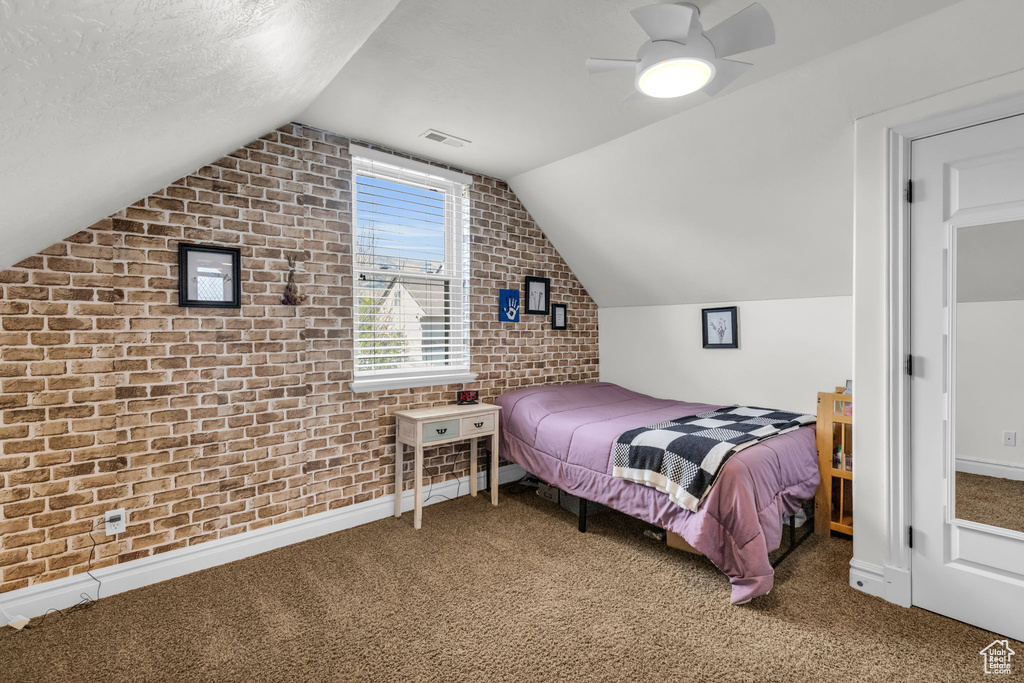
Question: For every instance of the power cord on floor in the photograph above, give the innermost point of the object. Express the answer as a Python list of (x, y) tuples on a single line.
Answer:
[(525, 483), (86, 599), (430, 488), (458, 485)]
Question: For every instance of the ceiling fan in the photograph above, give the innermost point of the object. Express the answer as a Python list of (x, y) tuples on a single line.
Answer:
[(682, 58)]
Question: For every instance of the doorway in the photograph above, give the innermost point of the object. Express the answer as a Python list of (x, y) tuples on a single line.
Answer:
[(966, 374)]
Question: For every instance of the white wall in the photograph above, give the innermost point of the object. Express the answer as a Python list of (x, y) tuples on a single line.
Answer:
[(989, 374), (790, 349)]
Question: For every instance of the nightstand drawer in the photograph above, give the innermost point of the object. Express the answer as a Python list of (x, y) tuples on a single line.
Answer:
[(477, 425), (439, 431)]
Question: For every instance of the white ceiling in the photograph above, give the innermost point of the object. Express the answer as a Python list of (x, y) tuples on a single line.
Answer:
[(510, 76), (750, 197), (106, 101)]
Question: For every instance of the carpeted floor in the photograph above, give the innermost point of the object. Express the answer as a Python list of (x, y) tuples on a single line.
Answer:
[(512, 593), (990, 500)]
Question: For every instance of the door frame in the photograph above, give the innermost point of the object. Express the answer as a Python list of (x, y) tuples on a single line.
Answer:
[(897, 293)]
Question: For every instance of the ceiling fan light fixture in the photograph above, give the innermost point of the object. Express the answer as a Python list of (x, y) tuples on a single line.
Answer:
[(681, 57), (675, 77)]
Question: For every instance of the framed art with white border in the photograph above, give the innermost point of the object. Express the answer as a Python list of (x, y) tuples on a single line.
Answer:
[(538, 295), (559, 317), (719, 328), (209, 276)]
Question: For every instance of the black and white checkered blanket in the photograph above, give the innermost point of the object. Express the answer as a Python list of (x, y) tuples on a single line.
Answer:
[(683, 457)]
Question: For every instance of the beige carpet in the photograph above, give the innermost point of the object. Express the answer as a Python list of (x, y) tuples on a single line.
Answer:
[(990, 500), (513, 593)]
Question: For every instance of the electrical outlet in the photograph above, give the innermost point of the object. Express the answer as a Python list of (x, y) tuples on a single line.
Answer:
[(116, 521), (1009, 438)]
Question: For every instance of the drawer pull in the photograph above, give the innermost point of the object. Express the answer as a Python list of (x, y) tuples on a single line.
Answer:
[(478, 425), (442, 431)]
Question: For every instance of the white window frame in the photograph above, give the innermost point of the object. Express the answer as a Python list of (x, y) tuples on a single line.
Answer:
[(456, 265)]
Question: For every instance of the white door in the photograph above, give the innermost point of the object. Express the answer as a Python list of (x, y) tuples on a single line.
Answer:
[(967, 386)]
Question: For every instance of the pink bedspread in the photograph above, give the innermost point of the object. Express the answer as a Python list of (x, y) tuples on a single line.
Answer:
[(566, 435)]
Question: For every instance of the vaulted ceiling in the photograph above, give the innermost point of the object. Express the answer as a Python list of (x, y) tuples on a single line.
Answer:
[(509, 76), (751, 196), (105, 101)]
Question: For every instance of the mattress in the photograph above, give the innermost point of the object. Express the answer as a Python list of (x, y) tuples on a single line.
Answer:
[(566, 436)]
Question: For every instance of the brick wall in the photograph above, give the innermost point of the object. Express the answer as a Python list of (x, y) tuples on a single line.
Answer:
[(207, 423)]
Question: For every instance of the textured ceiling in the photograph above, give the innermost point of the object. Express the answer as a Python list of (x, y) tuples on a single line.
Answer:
[(509, 76), (105, 101)]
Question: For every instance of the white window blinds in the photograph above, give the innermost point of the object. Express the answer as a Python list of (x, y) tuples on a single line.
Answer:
[(411, 269)]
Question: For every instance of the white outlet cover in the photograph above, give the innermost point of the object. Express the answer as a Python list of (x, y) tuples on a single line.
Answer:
[(1009, 438), (118, 527)]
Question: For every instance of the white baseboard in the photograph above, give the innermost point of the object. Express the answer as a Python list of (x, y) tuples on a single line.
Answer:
[(989, 468), (35, 600), (897, 586), (867, 578), (889, 583)]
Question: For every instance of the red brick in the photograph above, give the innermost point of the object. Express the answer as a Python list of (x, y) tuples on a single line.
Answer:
[(30, 507), (9, 557), (46, 549), (23, 539), (23, 571), (70, 500)]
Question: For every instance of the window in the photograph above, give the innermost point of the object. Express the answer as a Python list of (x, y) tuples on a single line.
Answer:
[(411, 269)]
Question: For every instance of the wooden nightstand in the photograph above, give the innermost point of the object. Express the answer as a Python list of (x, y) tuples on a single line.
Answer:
[(444, 424), (833, 503)]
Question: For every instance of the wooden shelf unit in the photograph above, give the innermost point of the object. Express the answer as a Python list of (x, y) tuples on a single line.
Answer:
[(833, 504)]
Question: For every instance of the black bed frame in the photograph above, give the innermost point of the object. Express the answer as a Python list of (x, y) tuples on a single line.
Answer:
[(794, 542)]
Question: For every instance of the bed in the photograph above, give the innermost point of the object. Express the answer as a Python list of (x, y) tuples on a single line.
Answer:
[(566, 435)]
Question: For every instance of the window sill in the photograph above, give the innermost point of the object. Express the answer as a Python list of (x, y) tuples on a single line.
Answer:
[(362, 386)]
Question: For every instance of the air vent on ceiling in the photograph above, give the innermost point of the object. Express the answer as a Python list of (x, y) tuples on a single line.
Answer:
[(450, 140)]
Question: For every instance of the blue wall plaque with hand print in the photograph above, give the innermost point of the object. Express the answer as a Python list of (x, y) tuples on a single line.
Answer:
[(508, 305)]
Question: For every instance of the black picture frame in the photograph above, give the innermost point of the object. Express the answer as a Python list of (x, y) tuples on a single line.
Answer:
[(724, 324), (530, 307), (234, 276), (555, 310)]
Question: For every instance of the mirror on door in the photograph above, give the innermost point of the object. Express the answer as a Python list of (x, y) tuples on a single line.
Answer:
[(989, 374)]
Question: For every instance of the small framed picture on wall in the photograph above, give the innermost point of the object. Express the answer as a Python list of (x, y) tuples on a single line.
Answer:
[(538, 294), (720, 330), (558, 317), (209, 276)]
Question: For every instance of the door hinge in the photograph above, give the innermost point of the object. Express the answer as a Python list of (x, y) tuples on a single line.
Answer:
[(909, 365), (910, 536), (910, 192)]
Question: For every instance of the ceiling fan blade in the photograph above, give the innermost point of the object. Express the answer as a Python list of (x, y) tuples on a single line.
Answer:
[(726, 71), (599, 66), (666, 22), (746, 30)]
